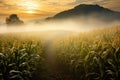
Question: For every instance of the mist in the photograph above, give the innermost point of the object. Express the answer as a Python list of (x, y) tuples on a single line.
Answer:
[(74, 25)]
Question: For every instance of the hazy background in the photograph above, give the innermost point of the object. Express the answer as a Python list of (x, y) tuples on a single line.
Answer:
[(39, 9), (33, 13)]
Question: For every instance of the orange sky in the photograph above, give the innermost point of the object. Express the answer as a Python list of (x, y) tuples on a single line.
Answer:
[(37, 9)]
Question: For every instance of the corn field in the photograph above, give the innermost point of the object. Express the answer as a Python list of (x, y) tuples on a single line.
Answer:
[(93, 55)]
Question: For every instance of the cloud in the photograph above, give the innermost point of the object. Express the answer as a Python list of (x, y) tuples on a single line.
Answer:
[(90, 2), (113, 4), (48, 5), (4, 6), (62, 2)]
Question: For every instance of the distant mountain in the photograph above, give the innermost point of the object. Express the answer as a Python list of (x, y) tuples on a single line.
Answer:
[(88, 11)]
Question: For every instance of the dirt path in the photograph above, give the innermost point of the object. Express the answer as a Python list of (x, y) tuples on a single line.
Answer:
[(50, 57)]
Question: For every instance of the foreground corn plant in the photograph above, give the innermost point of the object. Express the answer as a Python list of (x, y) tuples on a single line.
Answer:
[(87, 56), (93, 57), (18, 61)]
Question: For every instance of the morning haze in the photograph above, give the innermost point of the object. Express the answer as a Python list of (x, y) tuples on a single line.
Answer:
[(59, 40)]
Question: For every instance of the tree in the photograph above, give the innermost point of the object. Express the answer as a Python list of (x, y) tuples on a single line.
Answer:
[(13, 19)]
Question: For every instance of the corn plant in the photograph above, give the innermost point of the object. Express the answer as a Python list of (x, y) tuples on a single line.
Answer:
[(87, 56), (19, 60)]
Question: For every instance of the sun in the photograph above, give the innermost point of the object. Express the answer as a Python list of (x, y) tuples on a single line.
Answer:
[(30, 6), (30, 11)]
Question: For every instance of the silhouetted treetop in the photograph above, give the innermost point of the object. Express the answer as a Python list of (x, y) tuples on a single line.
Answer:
[(13, 19)]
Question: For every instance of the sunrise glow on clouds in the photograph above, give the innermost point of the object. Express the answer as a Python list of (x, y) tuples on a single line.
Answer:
[(44, 8)]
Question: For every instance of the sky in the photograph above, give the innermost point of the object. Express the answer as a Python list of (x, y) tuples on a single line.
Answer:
[(38, 9)]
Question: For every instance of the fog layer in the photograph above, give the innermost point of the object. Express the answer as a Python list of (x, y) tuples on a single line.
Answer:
[(74, 25)]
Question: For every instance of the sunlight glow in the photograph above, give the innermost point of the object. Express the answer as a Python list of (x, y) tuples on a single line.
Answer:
[(30, 6), (30, 11)]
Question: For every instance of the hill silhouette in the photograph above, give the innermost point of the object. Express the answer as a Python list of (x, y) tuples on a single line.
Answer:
[(87, 10)]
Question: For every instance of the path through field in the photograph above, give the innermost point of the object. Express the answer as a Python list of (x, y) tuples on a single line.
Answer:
[(50, 55)]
